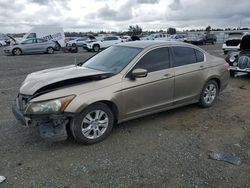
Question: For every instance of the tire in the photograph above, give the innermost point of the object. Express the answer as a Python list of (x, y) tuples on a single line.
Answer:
[(225, 52), (232, 73), (50, 50), (209, 94), (96, 48), (17, 51), (86, 126)]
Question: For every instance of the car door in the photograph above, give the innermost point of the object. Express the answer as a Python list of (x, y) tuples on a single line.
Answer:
[(41, 45), (28, 46), (106, 42), (190, 73), (153, 92)]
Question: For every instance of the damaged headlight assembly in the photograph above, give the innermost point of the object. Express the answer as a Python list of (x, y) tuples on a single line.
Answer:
[(50, 106)]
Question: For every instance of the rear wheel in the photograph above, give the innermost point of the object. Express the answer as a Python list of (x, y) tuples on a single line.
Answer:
[(17, 51), (93, 125), (209, 94), (50, 50)]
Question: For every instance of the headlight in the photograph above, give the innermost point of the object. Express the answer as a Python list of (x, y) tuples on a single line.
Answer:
[(232, 59), (50, 106)]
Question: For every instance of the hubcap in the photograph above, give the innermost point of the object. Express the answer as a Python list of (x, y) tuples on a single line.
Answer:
[(96, 48), (95, 124), (210, 93), (50, 50), (17, 52)]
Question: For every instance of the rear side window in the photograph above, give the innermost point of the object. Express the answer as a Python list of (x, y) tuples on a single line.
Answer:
[(155, 60), (186, 56), (199, 56)]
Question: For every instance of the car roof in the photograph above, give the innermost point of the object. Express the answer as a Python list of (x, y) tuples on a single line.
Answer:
[(151, 43)]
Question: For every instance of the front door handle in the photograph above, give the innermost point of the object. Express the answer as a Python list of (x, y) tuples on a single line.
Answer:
[(168, 75)]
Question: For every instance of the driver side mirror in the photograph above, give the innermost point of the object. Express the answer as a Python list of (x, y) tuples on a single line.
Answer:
[(139, 73)]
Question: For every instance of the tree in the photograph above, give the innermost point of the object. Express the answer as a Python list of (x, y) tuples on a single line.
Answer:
[(208, 29), (171, 31), (135, 30)]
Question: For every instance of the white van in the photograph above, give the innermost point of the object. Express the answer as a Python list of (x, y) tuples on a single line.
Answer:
[(49, 32)]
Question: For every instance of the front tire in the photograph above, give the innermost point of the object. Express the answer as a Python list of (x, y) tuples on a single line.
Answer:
[(209, 94), (96, 48), (17, 51), (93, 125)]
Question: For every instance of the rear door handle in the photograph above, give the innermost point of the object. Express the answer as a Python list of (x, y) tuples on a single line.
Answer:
[(168, 75)]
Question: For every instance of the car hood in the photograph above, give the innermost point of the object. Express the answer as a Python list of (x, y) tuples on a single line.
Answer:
[(56, 78)]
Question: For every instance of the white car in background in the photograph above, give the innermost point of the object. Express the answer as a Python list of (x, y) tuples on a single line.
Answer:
[(178, 37), (157, 36), (2, 43), (106, 42), (233, 42), (80, 41)]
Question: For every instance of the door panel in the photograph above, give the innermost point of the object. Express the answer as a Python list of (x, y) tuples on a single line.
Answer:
[(145, 95), (189, 81)]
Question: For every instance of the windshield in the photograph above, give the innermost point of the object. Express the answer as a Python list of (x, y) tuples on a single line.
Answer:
[(113, 59)]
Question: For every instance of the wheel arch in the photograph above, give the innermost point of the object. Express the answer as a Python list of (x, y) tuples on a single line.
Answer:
[(216, 79)]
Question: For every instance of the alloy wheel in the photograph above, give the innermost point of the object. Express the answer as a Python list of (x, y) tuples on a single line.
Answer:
[(210, 93)]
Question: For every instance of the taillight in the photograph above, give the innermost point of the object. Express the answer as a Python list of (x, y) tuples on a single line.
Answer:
[(226, 65)]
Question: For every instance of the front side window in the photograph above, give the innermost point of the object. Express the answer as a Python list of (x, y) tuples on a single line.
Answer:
[(155, 60), (113, 59), (41, 40), (30, 41), (183, 56)]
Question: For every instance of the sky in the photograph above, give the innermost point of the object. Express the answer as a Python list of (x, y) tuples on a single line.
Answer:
[(18, 16)]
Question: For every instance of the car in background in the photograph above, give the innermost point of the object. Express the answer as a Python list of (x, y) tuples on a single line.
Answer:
[(240, 61), (105, 42), (79, 42), (2, 43), (196, 39), (233, 42), (178, 37), (126, 81), (126, 38), (156, 36), (210, 38), (31, 46)]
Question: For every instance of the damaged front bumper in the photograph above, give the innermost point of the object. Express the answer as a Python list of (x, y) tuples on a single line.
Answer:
[(51, 127), (237, 69)]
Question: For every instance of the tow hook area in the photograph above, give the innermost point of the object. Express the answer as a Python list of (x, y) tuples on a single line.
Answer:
[(54, 129)]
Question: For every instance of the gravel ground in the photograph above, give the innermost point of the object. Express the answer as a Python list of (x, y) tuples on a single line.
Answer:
[(168, 149)]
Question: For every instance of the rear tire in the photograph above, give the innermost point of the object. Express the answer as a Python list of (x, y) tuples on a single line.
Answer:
[(93, 125), (17, 51), (50, 50), (209, 94)]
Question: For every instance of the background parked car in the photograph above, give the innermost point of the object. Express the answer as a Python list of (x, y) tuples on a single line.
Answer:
[(210, 38), (178, 37), (2, 43), (106, 42), (240, 61), (233, 42), (79, 42), (35, 45)]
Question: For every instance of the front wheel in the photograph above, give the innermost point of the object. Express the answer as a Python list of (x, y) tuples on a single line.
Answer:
[(209, 94), (17, 51), (93, 125), (96, 48)]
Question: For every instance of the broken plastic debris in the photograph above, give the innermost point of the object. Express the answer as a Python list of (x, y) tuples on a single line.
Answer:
[(2, 178), (222, 156)]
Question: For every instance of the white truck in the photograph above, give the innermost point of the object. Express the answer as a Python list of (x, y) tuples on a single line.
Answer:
[(48, 32), (105, 42)]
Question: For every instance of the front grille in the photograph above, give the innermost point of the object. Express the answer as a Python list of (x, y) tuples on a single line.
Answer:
[(22, 101), (233, 42)]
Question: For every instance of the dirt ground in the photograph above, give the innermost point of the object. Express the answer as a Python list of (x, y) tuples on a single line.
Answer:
[(168, 149)]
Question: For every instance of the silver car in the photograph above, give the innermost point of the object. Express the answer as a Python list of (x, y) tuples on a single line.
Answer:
[(29, 46)]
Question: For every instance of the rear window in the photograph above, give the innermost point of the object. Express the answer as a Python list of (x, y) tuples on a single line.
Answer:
[(186, 56), (199, 56), (183, 56)]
